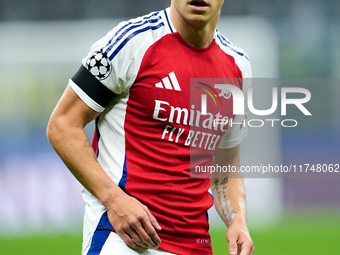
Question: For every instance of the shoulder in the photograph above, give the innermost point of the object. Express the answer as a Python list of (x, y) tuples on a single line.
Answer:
[(125, 45), (230, 48), (134, 33)]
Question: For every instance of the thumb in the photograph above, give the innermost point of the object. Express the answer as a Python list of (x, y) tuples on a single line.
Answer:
[(233, 248), (232, 244)]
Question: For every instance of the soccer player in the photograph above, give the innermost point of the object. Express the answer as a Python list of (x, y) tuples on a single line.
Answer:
[(136, 84)]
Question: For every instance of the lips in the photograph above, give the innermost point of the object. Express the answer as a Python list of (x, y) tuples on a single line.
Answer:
[(198, 3)]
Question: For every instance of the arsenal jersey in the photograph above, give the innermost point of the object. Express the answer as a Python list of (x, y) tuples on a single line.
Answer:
[(161, 116)]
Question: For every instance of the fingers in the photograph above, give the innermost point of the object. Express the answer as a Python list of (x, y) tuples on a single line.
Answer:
[(240, 243), (146, 234), (136, 226), (135, 236), (153, 220), (249, 252), (245, 244), (247, 248), (241, 249), (128, 240), (150, 225)]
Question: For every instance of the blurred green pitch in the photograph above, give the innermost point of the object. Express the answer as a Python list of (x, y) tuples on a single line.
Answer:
[(300, 233)]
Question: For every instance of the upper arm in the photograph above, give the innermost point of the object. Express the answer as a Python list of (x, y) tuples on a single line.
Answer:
[(229, 158), (71, 110)]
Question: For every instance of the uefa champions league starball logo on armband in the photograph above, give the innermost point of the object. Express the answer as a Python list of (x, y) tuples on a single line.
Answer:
[(99, 65)]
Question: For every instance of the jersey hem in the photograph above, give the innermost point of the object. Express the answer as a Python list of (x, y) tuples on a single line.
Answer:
[(233, 144)]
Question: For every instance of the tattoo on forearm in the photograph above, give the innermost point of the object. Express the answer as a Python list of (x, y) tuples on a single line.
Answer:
[(224, 181), (231, 216), (221, 190), (87, 143)]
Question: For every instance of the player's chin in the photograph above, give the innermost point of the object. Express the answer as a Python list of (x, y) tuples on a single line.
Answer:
[(202, 18), (198, 20)]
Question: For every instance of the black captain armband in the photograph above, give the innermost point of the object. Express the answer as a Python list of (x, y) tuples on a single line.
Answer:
[(92, 87)]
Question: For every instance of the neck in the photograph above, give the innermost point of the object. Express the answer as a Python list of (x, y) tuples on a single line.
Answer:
[(197, 33)]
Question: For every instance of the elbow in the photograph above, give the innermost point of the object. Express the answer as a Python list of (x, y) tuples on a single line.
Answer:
[(50, 130), (53, 131)]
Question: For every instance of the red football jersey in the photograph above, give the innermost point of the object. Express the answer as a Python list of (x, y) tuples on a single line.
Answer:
[(152, 133)]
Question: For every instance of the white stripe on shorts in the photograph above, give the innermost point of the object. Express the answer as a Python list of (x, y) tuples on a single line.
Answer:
[(115, 245)]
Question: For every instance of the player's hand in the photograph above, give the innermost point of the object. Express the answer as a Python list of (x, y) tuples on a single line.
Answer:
[(240, 242), (134, 223)]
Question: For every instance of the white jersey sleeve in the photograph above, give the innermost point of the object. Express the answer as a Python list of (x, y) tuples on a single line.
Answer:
[(237, 127), (112, 63)]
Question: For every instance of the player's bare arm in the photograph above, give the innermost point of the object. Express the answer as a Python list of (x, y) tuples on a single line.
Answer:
[(230, 203), (130, 219)]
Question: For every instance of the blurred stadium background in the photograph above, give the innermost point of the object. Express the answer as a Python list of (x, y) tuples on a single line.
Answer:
[(42, 43)]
